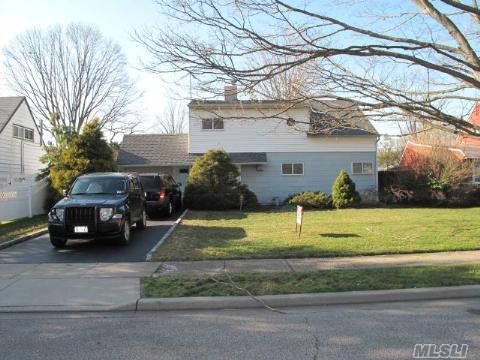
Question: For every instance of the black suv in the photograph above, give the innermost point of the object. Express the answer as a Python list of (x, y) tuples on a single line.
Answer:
[(98, 205), (163, 194)]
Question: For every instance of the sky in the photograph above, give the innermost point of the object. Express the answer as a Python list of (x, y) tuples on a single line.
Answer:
[(116, 19)]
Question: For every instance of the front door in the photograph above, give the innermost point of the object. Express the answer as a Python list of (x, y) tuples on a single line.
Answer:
[(182, 178)]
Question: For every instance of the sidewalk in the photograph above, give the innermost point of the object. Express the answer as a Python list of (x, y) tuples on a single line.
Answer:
[(71, 287), (116, 286), (314, 264)]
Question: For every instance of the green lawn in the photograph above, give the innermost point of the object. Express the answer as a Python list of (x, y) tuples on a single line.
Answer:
[(312, 282), (12, 229), (239, 235)]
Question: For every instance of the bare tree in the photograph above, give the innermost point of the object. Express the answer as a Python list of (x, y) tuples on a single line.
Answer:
[(173, 120), (292, 84), (415, 60), (75, 73)]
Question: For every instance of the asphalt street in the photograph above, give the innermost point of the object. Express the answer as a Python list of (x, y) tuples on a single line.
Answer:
[(39, 250), (375, 331)]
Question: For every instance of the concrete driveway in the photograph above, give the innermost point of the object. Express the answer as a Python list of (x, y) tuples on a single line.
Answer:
[(39, 250)]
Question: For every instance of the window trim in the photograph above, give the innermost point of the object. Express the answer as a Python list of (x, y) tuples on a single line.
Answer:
[(363, 162), (474, 172), (22, 137), (213, 124), (292, 163)]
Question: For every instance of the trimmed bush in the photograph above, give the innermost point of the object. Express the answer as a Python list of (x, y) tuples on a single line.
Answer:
[(250, 200), (311, 200), (213, 184), (344, 194)]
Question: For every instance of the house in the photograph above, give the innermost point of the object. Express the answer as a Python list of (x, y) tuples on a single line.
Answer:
[(20, 140), (280, 148), (465, 148)]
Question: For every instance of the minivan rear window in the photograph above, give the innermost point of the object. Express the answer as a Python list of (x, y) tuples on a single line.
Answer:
[(150, 182)]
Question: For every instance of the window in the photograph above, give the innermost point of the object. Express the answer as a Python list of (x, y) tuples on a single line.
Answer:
[(362, 168), (292, 169), (476, 171), (23, 133), (212, 124), (17, 132), (28, 134)]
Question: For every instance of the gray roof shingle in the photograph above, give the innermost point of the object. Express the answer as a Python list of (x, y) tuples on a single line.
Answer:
[(155, 150), (169, 150), (8, 106), (338, 118)]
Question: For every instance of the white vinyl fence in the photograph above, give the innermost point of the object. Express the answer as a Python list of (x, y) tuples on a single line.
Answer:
[(21, 196)]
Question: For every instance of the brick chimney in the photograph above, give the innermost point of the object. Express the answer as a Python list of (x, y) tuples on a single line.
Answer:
[(230, 93)]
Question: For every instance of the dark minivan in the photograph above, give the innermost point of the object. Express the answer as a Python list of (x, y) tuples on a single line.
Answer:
[(163, 194), (98, 205)]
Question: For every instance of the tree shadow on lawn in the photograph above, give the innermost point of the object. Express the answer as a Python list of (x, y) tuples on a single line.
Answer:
[(339, 235), (216, 215), (190, 241)]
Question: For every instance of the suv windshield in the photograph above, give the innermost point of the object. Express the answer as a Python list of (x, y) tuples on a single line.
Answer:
[(91, 186), (151, 182)]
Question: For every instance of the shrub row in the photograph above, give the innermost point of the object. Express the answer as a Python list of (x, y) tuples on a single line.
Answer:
[(344, 195)]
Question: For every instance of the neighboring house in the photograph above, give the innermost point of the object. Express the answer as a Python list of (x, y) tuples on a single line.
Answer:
[(20, 140), (465, 149), (278, 151)]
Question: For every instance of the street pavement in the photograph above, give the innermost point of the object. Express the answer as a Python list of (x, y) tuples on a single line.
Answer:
[(375, 331), (39, 250)]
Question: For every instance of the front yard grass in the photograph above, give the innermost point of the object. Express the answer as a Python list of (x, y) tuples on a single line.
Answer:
[(311, 282), (207, 235), (10, 230)]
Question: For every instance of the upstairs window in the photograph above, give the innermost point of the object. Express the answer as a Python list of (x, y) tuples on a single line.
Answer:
[(292, 169), (212, 124), (362, 168), (28, 134), (23, 133)]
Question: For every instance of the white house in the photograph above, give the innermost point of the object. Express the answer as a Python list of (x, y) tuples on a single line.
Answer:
[(20, 140), (279, 147)]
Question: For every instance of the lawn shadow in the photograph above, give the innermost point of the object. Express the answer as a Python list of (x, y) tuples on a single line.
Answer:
[(198, 237), (339, 235), (217, 215), (189, 242)]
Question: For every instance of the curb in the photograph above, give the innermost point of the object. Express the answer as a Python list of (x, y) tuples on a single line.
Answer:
[(23, 238), (274, 301), (349, 297), (165, 236)]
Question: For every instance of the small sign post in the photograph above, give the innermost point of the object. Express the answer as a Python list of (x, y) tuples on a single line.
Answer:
[(298, 223)]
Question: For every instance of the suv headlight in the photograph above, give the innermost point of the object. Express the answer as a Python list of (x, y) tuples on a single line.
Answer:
[(57, 214), (106, 214)]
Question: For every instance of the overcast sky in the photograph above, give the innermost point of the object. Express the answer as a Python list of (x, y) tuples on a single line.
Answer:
[(116, 19)]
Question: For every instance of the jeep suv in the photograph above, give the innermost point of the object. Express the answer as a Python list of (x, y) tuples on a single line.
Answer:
[(162, 192), (98, 205)]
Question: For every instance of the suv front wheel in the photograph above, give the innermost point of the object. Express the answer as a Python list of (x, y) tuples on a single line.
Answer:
[(124, 237), (58, 242)]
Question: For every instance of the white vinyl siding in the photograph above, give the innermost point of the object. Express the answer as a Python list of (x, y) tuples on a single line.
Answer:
[(362, 168), (266, 134), (292, 169), (20, 156)]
